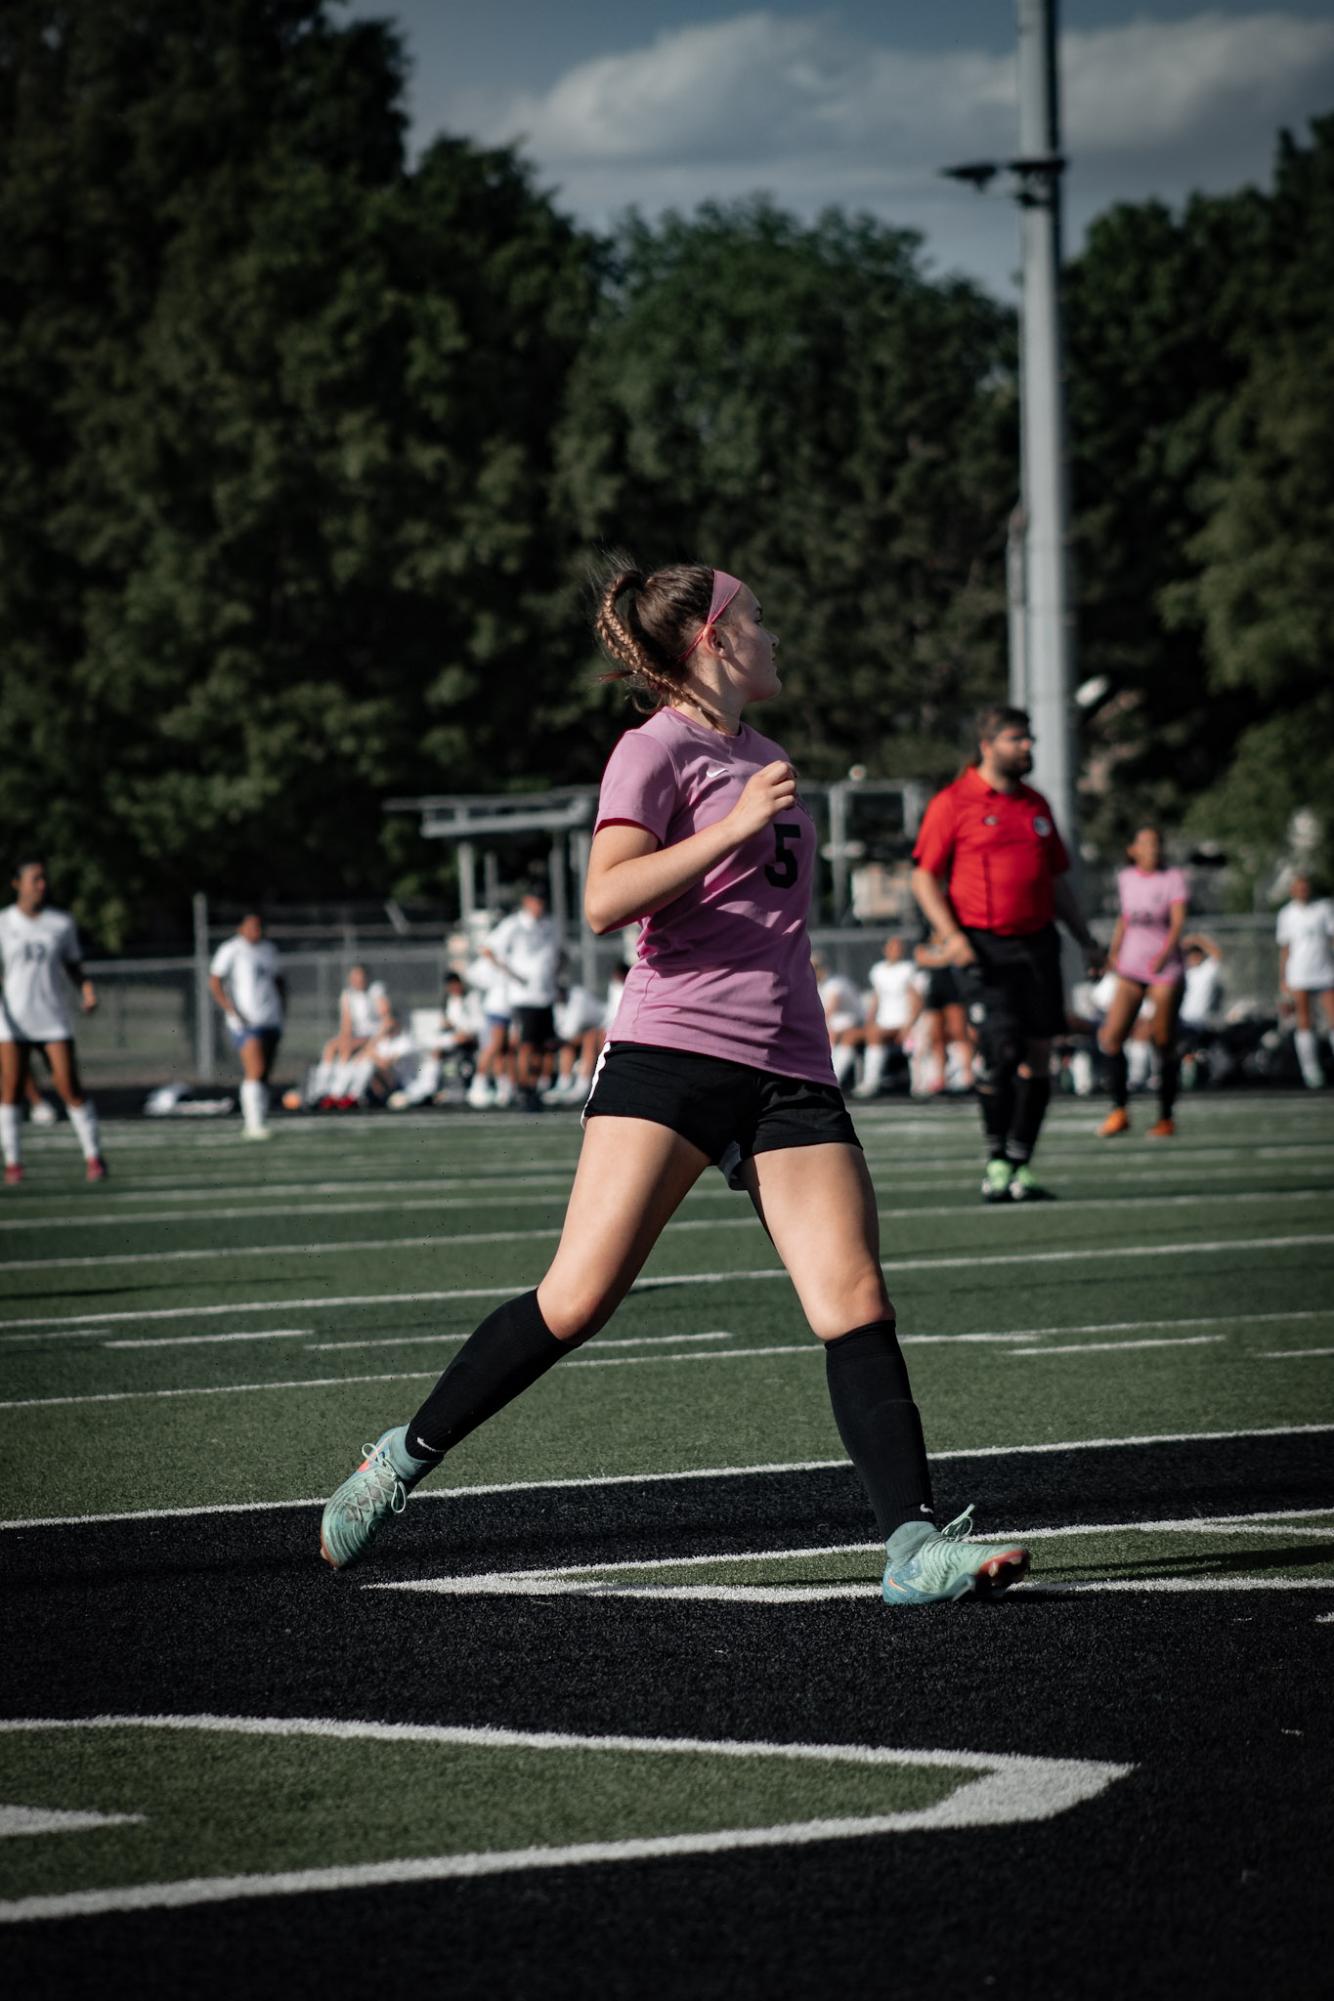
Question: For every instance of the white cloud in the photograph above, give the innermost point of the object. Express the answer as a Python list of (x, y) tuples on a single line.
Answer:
[(814, 114)]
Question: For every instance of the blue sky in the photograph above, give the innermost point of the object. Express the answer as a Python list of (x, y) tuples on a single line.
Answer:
[(671, 102)]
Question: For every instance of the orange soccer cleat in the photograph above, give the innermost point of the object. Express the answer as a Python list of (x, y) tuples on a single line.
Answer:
[(1116, 1121), (1162, 1129)]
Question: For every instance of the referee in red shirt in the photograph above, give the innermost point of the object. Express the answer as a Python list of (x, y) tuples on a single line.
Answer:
[(989, 876)]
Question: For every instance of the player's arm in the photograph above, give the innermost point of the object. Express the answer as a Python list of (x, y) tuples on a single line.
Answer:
[(631, 876), (1177, 924), (220, 994), (932, 895), (1202, 943), (1118, 935), (87, 991), (1070, 914), (1283, 986)]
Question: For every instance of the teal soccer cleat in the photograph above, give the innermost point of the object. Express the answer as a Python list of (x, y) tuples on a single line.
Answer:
[(928, 1565), (356, 1511), (996, 1180)]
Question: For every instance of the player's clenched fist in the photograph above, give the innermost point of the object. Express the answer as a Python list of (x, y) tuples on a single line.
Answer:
[(769, 793)]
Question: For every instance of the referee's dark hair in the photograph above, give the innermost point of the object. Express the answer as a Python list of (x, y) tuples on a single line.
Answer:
[(997, 716)]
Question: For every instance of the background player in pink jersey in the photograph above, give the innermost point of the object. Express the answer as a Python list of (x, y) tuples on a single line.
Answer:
[(1145, 954), (719, 1053)]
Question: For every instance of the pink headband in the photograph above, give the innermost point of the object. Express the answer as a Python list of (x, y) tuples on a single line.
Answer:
[(725, 589)]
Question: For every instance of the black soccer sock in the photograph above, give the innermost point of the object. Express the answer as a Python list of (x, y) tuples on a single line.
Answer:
[(996, 1102), (1118, 1079), (1169, 1076), (878, 1423), (509, 1351), (1030, 1103)]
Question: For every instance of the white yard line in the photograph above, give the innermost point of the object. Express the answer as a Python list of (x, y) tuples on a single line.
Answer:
[(441, 1240), (1292, 1354), (1007, 1789), (1110, 1347), (766, 1468), (658, 1281)]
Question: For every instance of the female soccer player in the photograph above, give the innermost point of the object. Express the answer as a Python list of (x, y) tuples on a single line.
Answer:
[(35, 942), (245, 981), (1145, 954), (1306, 971), (719, 1048)]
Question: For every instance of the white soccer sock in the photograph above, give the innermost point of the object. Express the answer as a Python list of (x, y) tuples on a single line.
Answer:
[(83, 1118), (10, 1144), (844, 1055), (959, 1070), (254, 1104), (1308, 1055), (874, 1068), (1138, 1057)]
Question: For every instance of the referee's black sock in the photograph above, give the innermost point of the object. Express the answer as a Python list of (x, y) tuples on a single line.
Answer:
[(509, 1351), (1118, 1079), (1030, 1103), (996, 1100), (1169, 1076), (878, 1423)]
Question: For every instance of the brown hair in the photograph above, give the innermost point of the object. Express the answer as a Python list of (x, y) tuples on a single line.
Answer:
[(998, 716), (663, 611)]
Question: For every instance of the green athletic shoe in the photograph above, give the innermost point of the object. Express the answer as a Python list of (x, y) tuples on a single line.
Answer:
[(355, 1512), (927, 1565), (996, 1181), (1025, 1187)]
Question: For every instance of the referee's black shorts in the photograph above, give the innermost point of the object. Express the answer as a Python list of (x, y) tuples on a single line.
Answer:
[(1015, 993)]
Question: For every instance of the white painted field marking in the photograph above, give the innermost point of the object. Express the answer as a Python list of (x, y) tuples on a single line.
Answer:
[(375, 1341), (500, 1195), (440, 1240), (808, 1347), (1008, 1789), (659, 1281), (1110, 1347), (416, 1340), (24, 1820), (573, 1482), (594, 1578), (1292, 1354), (212, 1340)]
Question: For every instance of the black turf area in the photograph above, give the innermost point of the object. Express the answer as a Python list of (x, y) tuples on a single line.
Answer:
[(1206, 1871)]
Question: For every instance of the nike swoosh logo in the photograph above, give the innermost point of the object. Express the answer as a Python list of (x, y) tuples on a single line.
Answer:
[(720, 771)]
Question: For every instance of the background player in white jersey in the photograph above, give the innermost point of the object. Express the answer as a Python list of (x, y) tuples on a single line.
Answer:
[(898, 1001), (245, 981), (39, 950), (1306, 970), (526, 948), (842, 1003)]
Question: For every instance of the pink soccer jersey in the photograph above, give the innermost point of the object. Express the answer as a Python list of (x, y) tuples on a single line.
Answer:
[(725, 969), (1146, 905)]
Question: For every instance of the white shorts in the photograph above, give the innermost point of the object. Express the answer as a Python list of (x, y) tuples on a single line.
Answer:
[(45, 1029), (839, 1022)]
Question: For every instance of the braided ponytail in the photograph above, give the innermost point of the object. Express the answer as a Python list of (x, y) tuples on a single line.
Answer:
[(646, 642)]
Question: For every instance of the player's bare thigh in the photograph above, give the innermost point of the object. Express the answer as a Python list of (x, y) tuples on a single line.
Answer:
[(1166, 1007), (14, 1063), (818, 1205), (632, 1177), (65, 1071), (1127, 1000)]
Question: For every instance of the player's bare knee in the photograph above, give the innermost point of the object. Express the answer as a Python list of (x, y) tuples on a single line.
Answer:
[(856, 1305)]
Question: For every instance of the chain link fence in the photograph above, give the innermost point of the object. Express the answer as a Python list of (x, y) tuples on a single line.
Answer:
[(155, 1023)]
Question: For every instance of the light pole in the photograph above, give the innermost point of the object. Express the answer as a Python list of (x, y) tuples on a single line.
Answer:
[(1044, 635)]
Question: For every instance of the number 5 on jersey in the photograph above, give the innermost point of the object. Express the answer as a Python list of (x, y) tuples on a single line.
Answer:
[(782, 870)]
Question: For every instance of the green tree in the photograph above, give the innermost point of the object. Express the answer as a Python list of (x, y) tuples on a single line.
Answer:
[(275, 426), (804, 407)]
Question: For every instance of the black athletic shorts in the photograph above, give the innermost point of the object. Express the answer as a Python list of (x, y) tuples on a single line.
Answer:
[(535, 1026), (1015, 990), (942, 988), (728, 1110)]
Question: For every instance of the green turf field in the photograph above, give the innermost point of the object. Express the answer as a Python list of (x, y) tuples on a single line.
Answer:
[(195, 1352)]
